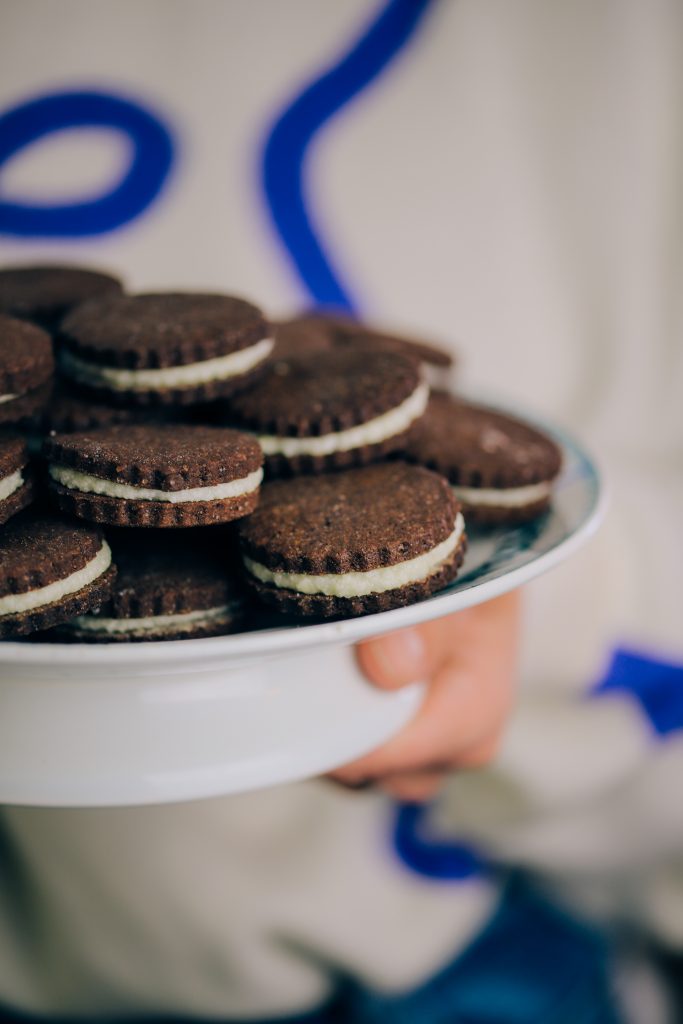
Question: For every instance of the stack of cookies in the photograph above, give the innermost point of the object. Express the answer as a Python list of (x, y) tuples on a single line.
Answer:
[(163, 456)]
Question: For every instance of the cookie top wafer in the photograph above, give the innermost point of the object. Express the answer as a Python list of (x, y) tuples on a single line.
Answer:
[(301, 335), (68, 411), (352, 521), (493, 461), (50, 569), (155, 474), (13, 454), (168, 457), (324, 410), (16, 485), (45, 294), (345, 331), (26, 359), (174, 347), (170, 574)]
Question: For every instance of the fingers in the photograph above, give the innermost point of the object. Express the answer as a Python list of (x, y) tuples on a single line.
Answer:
[(414, 655), (460, 714), (394, 660), (468, 663), (414, 787), (411, 655)]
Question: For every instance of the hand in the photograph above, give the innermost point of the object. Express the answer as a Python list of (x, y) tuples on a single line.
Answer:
[(468, 661)]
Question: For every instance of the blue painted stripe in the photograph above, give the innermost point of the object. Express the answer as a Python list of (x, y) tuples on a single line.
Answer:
[(288, 143), (152, 156), (444, 860), (656, 685)]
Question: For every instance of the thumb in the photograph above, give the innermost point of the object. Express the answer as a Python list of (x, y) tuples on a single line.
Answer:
[(394, 660)]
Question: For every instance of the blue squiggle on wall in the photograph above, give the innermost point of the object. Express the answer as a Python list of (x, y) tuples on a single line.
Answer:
[(289, 140), (147, 173)]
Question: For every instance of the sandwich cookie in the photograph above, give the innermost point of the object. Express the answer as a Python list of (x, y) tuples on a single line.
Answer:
[(175, 348), (44, 294), (345, 332), (167, 588), (500, 468), (16, 483), (301, 335), (158, 475), (68, 411), (50, 570), (330, 410), (352, 543), (26, 368)]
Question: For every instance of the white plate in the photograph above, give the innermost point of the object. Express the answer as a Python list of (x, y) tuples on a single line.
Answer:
[(84, 725)]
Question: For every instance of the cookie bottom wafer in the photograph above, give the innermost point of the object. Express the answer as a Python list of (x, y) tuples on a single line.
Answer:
[(326, 606), (45, 616), (100, 508)]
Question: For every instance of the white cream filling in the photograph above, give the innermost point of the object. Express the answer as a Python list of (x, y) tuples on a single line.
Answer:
[(503, 497), (190, 375), (7, 398), (150, 623), (10, 484), (30, 599), (372, 581), (373, 432), (77, 481)]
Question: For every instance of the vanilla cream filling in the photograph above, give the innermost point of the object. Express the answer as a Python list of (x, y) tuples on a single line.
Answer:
[(373, 432), (77, 481), (116, 379), (7, 398), (151, 623), (372, 581), (11, 604), (503, 497), (10, 484)]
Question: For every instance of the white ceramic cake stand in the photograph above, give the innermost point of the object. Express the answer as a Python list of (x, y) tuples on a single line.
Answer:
[(98, 725)]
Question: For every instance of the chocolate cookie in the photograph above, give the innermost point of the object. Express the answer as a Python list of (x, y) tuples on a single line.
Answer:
[(45, 294), (301, 335), (16, 482), (159, 475), (500, 468), (175, 348), (68, 411), (50, 570), (167, 588), (26, 366), (329, 410), (303, 332), (351, 543)]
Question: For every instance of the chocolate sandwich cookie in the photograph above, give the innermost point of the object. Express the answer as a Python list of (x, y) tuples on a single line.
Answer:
[(351, 543), (44, 294), (167, 588), (68, 411), (175, 348), (26, 368), (500, 468), (301, 335), (16, 481), (330, 410), (159, 475), (50, 570), (344, 331)]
